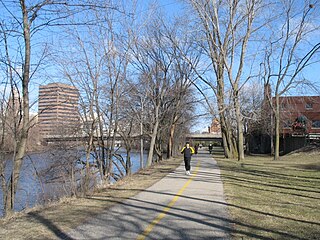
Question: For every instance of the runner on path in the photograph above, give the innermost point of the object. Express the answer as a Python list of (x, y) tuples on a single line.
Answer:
[(187, 151)]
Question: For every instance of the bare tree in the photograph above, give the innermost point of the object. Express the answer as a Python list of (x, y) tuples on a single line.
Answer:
[(22, 21), (21, 127), (181, 101), (289, 53), (215, 46), (227, 27), (154, 65), (253, 111), (99, 69)]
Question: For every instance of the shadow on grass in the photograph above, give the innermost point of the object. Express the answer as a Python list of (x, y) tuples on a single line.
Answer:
[(261, 173), (275, 186), (309, 167), (280, 187), (51, 226)]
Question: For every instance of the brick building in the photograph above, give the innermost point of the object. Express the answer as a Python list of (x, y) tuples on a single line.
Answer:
[(58, 109), (299, 123), (300, 115), (215, 127)]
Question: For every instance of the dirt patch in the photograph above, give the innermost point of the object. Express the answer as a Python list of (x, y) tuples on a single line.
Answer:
[(54, 221)]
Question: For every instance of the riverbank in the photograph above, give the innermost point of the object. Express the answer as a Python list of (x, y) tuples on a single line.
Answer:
[(46, 176), (52, 221)]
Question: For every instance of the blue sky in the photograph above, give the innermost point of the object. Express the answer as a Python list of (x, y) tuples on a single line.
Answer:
[(171, 7)]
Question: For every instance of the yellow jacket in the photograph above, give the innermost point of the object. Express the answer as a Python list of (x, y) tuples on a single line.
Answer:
[(187, 153)]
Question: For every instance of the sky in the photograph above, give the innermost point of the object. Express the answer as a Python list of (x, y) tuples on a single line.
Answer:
[(170, 7)]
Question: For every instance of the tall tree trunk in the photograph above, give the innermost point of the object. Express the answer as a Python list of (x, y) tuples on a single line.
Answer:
[(141, 137), (88, 154), (101, 144), (170, 142), (23, 136), (115, 108), (111, 136), (111, 147), (153, 137), (224, 142), (226, 137), (141, 146), (240, 141), (272, 131), (277, 130), (225, 129), (128, 163)]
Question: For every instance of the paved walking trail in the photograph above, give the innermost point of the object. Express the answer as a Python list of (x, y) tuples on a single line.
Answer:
[(176, 207)]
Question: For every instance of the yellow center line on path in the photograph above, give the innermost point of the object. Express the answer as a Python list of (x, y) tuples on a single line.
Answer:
[(166, 209)]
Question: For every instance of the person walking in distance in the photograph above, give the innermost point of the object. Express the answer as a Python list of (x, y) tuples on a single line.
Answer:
[(187, 151)]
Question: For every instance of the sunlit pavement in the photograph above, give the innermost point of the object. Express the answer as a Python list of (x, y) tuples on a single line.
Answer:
[(179, 206)]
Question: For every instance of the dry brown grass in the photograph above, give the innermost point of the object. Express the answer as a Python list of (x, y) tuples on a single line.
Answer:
[(270, 199), (52, 222)]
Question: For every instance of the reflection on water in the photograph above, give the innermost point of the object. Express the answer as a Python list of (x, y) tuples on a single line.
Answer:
[(46, 176)]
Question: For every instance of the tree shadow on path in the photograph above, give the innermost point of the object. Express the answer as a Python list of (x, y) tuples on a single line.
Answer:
[(50, 225)]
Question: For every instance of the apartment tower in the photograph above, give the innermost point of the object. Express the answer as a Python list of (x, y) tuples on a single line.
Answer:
[(58, 109)]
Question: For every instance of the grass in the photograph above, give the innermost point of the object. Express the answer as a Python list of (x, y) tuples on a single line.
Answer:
[(53, 222), (270, 199)]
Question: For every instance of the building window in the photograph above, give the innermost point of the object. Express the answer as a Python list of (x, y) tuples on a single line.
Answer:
[(283, 106), (315, 123), (308, 105), (287, 124)]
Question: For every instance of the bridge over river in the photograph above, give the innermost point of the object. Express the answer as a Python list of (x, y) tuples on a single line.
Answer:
[(204, 137), (193, 137), (80, 138)]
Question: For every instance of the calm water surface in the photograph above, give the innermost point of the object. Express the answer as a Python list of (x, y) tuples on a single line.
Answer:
[(41, 178)]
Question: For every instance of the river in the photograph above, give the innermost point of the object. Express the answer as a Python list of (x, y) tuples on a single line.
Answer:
[(46, 176)]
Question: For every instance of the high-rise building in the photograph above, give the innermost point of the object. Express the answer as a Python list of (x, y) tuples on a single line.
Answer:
[(58, 109)]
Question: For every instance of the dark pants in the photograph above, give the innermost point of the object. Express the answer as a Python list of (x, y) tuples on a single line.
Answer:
[(187, 163)]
